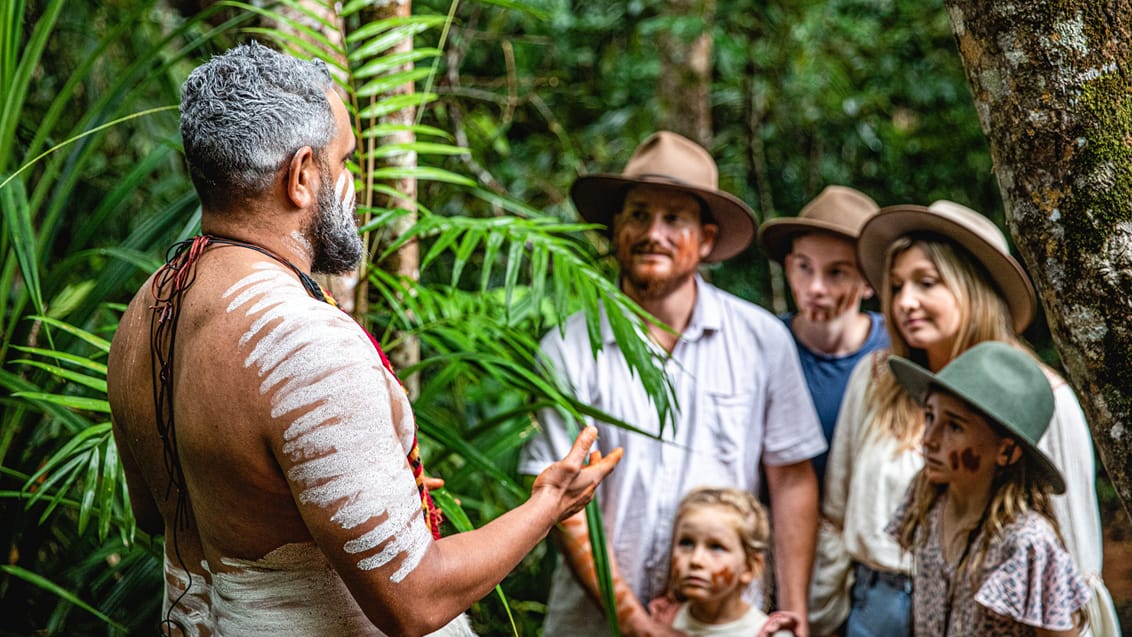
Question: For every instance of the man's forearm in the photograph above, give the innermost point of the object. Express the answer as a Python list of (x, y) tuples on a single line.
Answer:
[(794, 510), (574, 541)]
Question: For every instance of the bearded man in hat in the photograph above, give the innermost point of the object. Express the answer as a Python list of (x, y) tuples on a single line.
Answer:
[(742, 402), (818, 251)]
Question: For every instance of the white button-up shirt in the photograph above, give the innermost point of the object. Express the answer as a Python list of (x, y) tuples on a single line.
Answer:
[(742, 401)]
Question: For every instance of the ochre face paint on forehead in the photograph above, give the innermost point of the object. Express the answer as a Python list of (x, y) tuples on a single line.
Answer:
[(324, 378)]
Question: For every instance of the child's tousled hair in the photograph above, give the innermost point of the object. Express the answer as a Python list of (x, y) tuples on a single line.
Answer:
[(754, 526)]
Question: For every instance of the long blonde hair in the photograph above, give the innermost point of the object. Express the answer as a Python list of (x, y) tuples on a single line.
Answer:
[(983, 316)]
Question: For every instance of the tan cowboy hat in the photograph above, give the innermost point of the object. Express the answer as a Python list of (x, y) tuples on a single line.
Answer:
[(671, 161), (837, 210), (962, 225)]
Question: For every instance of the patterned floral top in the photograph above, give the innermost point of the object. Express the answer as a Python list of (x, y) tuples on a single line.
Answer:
[(1026, 580)]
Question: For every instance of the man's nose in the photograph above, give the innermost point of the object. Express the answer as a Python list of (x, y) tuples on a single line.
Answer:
[(817, 282), (655, 227)]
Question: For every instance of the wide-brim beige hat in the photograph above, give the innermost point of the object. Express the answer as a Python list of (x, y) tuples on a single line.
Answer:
[(977, 234), (837, 210), (669, 160)]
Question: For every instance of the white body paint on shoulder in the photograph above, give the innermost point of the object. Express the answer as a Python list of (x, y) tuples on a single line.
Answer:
[(325, 379)]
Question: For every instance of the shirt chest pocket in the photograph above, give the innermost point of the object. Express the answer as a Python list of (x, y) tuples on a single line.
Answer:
[(729, 418)]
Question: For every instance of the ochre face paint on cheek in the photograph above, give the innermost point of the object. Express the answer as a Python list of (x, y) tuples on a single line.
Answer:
[(723, 578), (971, 460), (953, 458)]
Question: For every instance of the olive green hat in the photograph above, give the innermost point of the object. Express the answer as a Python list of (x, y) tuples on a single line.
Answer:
[(1002, 382)]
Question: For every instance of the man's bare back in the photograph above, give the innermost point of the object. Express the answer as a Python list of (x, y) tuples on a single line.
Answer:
[(278, 469), (268, 380)]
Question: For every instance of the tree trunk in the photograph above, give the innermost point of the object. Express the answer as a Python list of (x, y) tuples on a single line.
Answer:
[(1051, 83), (684, 86), (406, 260)]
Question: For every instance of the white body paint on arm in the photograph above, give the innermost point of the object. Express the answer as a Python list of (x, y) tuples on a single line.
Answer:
[(325, 379)]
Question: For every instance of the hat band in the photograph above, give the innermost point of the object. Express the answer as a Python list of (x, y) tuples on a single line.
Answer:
[(670, 179)]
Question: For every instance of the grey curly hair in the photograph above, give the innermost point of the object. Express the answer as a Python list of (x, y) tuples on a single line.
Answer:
[(244, 114)]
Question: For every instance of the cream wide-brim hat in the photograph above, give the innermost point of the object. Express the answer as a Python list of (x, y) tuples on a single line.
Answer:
[(971, 230), (837, 210), (668, 160)]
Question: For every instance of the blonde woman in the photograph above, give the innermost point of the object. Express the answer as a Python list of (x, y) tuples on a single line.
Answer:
[(947, 282)]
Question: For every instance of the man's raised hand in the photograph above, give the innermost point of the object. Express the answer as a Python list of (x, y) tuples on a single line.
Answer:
[(572, 482)]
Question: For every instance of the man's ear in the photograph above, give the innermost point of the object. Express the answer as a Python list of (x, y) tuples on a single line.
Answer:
[(868, 292), (302, 173), (1009, 452), (708, 231)]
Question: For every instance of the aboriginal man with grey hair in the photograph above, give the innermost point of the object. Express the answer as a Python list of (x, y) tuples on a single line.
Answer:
[(261, 430)]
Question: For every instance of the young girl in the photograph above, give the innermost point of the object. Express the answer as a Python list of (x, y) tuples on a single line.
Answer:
[(977, 518), (718, 546), (947, 282)]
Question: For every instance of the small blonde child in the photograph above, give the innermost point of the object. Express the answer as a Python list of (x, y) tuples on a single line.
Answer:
[(718, 548), (989, 558)]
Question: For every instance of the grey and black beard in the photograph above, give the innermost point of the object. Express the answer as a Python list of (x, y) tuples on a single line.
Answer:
[(337, 247)]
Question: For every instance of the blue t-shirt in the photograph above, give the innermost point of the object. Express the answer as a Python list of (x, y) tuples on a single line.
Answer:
[(828, 375)]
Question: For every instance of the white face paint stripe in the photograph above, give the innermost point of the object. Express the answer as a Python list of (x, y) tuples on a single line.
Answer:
[(344, 190), (325, 379)]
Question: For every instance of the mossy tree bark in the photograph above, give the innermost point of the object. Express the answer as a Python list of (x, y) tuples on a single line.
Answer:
[(1052, 83)]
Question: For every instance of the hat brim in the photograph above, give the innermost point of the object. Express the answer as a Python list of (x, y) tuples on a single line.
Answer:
[(893, 222), (598, 197), (776, 236), (919, 382)]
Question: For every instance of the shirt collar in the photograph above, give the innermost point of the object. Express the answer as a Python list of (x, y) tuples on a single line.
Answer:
[(706, 315)]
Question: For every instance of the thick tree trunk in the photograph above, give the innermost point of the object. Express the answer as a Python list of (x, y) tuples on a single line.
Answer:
[(684, 86), (406, 260), (1051, 82)]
